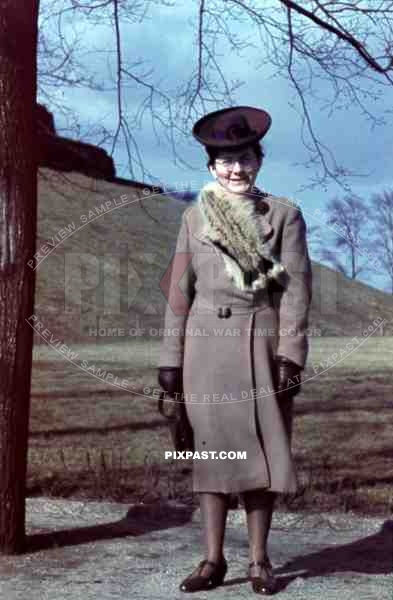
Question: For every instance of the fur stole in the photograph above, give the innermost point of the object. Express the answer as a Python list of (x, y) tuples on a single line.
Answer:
[(233, 222)]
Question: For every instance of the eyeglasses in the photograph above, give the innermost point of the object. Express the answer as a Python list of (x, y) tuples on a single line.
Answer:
[(229, 163)]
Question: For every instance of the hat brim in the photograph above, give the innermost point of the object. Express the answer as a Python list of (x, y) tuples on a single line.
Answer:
[(259, 122)]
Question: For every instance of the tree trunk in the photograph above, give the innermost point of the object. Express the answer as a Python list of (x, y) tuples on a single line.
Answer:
[(18, 216)]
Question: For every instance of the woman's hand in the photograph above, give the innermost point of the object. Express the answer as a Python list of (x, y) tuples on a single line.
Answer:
[(171, 380), (288, 378)]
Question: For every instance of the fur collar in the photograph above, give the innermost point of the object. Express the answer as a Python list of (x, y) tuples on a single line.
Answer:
[(237, 225)]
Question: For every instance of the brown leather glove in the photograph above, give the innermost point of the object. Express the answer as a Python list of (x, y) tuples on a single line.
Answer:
[(171, 380), (288, 374)]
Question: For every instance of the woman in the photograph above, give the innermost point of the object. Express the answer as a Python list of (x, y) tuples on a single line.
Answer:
[(242, 317)]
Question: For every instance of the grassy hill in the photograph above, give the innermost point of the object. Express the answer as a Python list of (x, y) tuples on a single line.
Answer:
[(342, 306), (119, 242), (106, 273)]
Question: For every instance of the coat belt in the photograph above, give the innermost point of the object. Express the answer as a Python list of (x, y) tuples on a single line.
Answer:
[(225, 311)]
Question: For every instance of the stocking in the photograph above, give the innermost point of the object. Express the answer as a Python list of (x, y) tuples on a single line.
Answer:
[(214, 508), (259, 508)]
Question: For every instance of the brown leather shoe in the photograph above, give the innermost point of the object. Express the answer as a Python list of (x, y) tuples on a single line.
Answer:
[(197, 582), (265, 583)]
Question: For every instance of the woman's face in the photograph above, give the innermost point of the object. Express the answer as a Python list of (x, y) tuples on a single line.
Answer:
[(236, 170)]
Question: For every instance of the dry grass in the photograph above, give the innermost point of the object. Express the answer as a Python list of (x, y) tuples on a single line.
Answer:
[(88, 439)]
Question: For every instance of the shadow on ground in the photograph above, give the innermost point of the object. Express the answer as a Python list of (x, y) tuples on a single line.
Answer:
[(138, 521), (371, 555)]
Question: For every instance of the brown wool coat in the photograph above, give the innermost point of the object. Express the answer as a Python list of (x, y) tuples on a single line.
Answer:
[(229, 370)]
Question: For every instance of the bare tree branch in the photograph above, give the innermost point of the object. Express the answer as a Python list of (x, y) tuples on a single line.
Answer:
[(334, 54), (341, 33)]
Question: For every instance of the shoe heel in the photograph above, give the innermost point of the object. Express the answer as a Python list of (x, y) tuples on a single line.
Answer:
[(219, 576), (264, 585)]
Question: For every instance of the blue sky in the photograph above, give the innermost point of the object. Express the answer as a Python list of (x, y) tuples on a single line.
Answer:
[(165, 40)]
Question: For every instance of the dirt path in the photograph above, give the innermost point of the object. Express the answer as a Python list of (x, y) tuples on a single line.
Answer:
[(108, 551)]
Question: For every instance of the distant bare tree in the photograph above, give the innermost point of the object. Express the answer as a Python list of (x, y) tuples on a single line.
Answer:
[(313, 236), (343, 235), (381, 215)]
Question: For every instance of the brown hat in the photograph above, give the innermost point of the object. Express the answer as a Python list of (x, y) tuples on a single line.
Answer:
[(232, 127)]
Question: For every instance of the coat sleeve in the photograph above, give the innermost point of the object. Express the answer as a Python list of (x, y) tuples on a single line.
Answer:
[(296, 297), (178, 284)]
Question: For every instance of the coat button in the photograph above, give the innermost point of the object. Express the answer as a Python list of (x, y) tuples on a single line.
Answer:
[(224, 314)]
